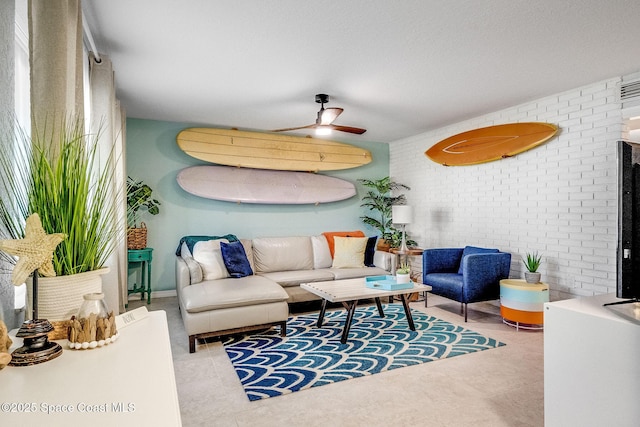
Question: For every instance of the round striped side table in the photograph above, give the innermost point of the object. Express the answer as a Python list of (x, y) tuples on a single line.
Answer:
[(522, 303)]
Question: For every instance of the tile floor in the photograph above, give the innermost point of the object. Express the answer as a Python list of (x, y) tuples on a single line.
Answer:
[(498, 387)]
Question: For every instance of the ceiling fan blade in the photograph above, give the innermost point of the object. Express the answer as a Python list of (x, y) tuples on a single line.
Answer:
[(348, 129), (325, 118), (296, 128), (328, 115)]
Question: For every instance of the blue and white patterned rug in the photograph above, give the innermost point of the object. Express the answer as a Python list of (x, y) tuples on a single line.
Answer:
[(269, 365)]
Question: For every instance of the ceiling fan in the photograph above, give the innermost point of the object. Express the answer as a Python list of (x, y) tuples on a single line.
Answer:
[(324, 122)]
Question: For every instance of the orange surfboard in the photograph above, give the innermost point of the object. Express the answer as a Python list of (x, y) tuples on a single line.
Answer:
[(490, 143)]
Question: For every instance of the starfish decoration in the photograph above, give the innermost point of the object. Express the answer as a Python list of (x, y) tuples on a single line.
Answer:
[(35, 251)]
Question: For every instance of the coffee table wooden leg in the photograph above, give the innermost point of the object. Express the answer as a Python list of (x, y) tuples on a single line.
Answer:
[(347, 321), (321, 314), (407, 311), (380, 312)]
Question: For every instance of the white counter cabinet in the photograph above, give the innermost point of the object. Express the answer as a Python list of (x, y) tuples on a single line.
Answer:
[(591, 363), (130, 382)]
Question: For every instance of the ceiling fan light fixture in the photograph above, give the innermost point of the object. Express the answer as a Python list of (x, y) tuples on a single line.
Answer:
[(324, 121), (323, 130)]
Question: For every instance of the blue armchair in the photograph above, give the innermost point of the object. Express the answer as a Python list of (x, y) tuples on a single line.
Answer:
[(465, 275)]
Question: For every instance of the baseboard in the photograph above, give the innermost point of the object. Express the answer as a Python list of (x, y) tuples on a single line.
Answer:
[(156, 294)]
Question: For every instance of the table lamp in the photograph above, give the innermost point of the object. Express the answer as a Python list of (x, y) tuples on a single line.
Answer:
[(402, 215)]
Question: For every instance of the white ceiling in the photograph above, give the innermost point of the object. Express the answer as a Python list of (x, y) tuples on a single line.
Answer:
[(398, 68)]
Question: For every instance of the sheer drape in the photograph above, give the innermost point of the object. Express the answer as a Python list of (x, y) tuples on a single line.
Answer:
[(55, 54), (7, 42), (106, 119)]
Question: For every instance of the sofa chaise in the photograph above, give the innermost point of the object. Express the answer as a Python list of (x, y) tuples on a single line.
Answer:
[(226, 285)]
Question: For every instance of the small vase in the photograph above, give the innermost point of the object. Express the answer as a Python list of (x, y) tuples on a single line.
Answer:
[(532, 277), (403, 278), (93, 304)]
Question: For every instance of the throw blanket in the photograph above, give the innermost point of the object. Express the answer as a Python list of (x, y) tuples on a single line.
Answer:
[(192, 240)]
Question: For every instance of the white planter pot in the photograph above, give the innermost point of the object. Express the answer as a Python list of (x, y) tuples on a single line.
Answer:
[(403, 278), (60, 297)]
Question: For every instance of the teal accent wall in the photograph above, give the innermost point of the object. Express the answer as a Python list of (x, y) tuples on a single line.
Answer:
[(154, 157)]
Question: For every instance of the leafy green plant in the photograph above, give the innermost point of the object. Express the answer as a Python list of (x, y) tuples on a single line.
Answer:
[(379, 200), (532, 261), (139, 197), (59, 174)]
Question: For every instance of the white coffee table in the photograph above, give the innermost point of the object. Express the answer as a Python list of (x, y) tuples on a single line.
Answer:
[(350, 291)]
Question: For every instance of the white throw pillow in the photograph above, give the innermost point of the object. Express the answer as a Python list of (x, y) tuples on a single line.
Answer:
[(349, 252), (321, 253), (209, 256)]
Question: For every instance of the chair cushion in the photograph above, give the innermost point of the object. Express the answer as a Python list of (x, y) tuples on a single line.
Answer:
[(448, 285), (383, 260), (349, 252), (226, 293), (354, 273), (235, 259), (248, 250), (470, 250), (282, 254), (294, 278), (195, 270), (321, 253)]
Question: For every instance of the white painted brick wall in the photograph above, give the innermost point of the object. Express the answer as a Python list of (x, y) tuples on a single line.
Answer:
[(559, 199)]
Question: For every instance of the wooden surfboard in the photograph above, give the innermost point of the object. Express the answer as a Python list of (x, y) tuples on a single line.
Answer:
[(243, 185), (490, 143), (269, 151)]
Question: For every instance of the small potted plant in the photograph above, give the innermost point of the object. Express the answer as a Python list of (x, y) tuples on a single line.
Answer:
[(532, 262), (138, 197), (403, 273)]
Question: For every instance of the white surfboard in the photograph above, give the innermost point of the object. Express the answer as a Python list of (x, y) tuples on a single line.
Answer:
[(244, 185)]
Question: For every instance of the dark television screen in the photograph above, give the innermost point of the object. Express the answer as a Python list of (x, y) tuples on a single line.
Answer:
[(628, 251)]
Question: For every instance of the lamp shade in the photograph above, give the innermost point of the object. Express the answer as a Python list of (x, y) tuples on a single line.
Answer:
[(401, 214)]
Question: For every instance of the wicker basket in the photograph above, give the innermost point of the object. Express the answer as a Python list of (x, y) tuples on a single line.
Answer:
[(137, 237)]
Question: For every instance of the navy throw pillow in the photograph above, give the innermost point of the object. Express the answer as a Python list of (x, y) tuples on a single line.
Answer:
[(235, 259), (471, 250), (369, 251)]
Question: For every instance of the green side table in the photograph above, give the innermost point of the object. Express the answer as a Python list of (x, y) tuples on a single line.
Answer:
[(140, 258)]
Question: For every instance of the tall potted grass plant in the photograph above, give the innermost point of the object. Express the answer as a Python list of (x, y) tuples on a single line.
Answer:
[(59, 174)]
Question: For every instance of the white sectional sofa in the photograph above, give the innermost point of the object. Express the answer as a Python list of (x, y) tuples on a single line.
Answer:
[(214, 304)]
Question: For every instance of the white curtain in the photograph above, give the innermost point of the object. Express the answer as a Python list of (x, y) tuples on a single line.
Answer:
[(107, 120), (55, 54)]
